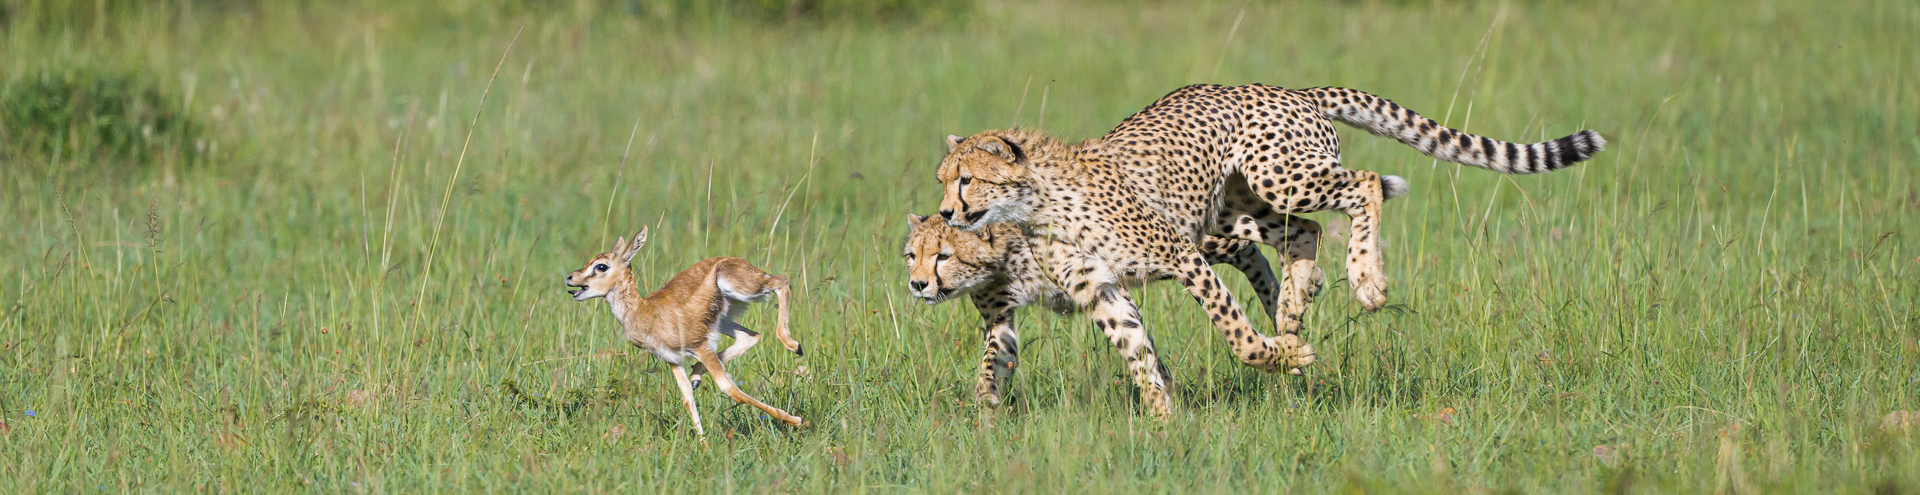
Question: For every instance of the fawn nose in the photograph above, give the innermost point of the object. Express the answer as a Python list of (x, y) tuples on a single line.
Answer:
[(916, 285), (946, 214)]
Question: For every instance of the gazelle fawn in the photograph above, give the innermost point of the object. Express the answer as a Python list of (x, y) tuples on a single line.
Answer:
[(683, 321)]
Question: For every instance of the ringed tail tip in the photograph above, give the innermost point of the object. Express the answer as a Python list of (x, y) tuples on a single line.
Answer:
[(1592, 144), (1395, 186)]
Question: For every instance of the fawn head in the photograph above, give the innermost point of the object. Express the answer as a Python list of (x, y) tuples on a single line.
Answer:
[(606, 270)]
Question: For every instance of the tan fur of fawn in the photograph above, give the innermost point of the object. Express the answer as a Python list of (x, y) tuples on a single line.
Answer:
[(683, 321)]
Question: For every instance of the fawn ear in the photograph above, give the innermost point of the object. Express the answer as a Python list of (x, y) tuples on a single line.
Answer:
[(639, 239), (619, 245), (1002, 148), (953, 141), (914, 219)]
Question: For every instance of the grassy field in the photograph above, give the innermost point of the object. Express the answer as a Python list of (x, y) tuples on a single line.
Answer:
[(331, 290)]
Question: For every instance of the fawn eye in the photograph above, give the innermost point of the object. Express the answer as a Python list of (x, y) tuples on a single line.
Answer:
[(600, 267)]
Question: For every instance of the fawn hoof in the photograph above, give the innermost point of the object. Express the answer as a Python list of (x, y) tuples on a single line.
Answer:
[(799, 350)]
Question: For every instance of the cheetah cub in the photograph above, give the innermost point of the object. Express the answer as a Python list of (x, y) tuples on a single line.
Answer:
[(683, 321)]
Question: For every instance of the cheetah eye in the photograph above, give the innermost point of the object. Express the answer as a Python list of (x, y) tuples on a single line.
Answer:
[(966, 180), (600, 267), (942, 257)]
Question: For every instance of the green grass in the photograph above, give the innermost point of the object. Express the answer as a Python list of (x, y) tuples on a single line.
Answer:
[(332, 298)]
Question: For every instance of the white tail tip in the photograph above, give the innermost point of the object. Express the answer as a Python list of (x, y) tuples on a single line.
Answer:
[(1395, 186)]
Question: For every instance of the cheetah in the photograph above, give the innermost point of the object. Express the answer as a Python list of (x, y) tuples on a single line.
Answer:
[(997, 269), (1000, 270), (1138, 199)]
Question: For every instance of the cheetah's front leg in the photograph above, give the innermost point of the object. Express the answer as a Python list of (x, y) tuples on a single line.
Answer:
[(1244, 256), (1116, 315), (1002, 346), (1286, 351)]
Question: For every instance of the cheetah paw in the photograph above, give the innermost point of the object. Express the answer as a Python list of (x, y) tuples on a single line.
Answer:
[(1290, 323), (986, 397), (1315, 284), (1372, 293), (1157, 403), (1295, 353)]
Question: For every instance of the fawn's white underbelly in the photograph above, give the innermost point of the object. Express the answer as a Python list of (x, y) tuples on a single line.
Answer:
[(673, 354)]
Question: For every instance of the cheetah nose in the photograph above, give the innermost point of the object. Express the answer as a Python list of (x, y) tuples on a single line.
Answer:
[(946, 214), (916, 285)]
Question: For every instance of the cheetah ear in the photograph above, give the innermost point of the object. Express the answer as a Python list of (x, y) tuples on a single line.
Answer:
[(639, 239), (915, 219), (953, 141), (1002, 148)]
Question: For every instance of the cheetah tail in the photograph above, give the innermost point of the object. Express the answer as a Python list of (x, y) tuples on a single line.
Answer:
[(1395, 186), (1379, 116)]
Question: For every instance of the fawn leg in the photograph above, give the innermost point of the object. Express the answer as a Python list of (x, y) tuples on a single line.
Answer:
[(783, 296), (743, 339), (686, 396), (720, 379)]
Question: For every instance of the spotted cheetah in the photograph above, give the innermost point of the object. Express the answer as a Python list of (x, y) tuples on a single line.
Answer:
[(1000, 270), (997, 269), (1139, 199)]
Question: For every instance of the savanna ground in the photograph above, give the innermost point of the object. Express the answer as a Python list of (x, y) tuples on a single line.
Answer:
[(306, 279)]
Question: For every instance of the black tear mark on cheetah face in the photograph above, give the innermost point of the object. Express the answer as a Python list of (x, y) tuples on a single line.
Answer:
[(944, 262), (985, 178)]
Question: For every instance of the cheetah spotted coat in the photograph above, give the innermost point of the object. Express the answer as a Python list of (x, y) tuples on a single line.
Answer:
[(1135, 202), (997, 269)]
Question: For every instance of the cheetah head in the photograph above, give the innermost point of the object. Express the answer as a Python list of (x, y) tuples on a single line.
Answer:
[(986, 180), (943, 261)]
